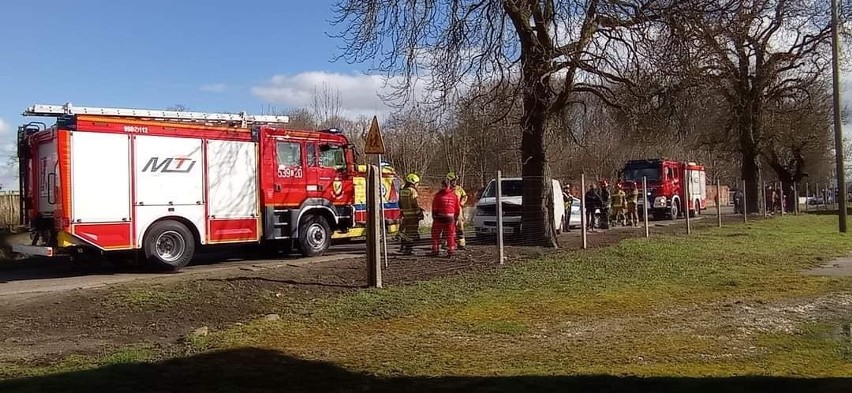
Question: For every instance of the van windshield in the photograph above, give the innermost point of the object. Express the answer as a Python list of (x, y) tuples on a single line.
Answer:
[(511, 188)]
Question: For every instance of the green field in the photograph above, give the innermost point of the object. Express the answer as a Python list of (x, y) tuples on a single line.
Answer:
[(721, 310)]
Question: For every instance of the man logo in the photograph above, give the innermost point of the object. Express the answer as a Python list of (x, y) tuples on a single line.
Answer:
[(169, 165)]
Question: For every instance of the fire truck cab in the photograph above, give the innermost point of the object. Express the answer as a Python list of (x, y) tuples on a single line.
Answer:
[(666, 186), (166, 183)]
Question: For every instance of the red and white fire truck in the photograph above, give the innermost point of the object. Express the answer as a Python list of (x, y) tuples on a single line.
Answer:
[(164, 183), (666, 188)]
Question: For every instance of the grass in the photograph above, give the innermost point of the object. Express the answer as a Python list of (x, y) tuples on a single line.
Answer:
[(146, 298), (708, 305)]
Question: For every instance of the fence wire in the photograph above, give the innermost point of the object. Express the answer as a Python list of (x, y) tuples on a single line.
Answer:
[(569, 218)]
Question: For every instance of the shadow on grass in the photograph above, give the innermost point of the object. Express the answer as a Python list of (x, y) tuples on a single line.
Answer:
[(256, 370)]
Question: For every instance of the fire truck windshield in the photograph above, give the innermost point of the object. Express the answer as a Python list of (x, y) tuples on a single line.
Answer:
[(332, 157), (638, 173)]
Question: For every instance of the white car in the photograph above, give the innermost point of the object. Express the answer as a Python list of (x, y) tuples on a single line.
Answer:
[(575, 220), (485, 215)]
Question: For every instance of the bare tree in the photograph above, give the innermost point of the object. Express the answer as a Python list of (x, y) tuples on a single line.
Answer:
[(799, 137), (411, 140), (301, 118), (545, 49), (753, 53), (326, 106)]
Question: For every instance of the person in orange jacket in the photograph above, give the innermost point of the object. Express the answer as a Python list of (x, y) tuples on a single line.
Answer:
[(445, 213)]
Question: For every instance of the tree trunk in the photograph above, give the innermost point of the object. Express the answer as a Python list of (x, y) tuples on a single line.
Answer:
[(537, 227), (747, 123), (751, 174)]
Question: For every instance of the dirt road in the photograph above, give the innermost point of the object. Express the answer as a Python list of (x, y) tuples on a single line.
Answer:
[(60, 276), (51, 309)]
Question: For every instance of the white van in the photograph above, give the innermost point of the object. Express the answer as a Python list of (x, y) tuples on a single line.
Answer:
[(485, 215)]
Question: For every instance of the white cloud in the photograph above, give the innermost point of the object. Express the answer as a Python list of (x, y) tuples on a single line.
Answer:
[(359, 94), (4, 127), (213, 88)]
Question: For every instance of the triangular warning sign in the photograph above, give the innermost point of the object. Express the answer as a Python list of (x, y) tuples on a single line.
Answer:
[(375, 143)]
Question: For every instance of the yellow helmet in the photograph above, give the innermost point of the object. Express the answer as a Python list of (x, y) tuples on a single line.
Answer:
[(452, 176), (412, 178)]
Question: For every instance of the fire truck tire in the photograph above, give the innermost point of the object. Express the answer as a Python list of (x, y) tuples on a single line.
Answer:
[(314, 235), (169, 245), (675, 209)]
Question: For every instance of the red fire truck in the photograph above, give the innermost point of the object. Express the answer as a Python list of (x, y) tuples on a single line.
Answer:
[(165, 183), (666, 191)]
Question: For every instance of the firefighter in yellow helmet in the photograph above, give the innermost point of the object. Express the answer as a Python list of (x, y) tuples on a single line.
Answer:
[(411, 214), (453, 180)]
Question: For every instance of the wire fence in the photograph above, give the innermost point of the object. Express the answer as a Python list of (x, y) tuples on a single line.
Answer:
[(582, 213)]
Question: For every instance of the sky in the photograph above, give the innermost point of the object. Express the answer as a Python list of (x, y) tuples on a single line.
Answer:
[(209, 56)]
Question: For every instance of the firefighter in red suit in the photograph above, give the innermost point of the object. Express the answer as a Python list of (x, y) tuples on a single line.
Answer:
[(445, 213)]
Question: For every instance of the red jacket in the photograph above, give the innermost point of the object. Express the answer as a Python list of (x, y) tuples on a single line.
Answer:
[(445, 206)]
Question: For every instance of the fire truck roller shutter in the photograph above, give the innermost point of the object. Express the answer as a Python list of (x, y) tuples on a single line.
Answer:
[(317, 220), (100, 193), (169, 198)]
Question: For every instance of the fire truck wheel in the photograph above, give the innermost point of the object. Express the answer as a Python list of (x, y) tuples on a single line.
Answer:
[(314, 235), (169, 245), (675, 209)]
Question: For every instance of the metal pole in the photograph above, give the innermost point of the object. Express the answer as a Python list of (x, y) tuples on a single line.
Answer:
[(719, 202), (499, 203), (686, 198), (645, 205), (583, 210), (382, 211), (838, 131), (745, 204)]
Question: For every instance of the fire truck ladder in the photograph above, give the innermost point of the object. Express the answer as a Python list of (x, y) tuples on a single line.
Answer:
[(69, 110)]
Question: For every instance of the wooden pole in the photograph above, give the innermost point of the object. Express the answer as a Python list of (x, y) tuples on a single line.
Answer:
[(745, 204), (796, 199), (763, 202), (839, 171), (382, 209), (807, 195), (687, 198), (499, 203), (645, 203), (583, 210), (374, 221), (719, 202)]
